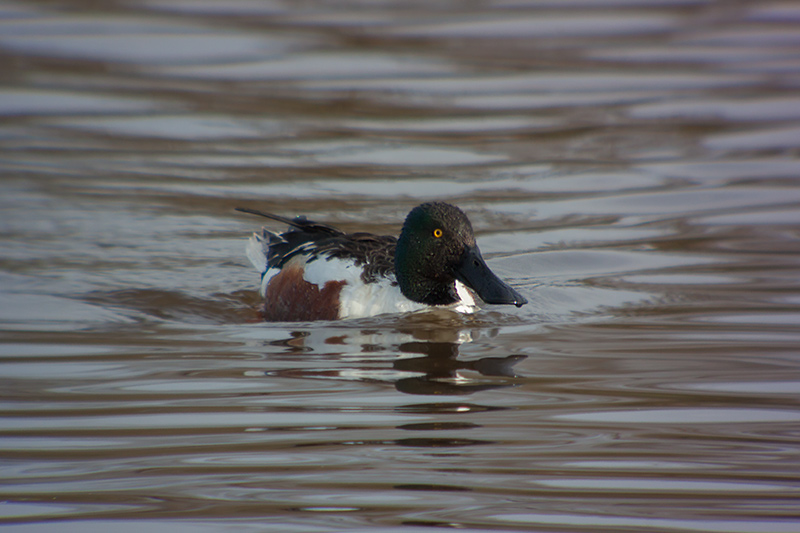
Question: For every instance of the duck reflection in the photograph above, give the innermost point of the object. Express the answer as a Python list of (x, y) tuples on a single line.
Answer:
[(423, 362), (442, 372)]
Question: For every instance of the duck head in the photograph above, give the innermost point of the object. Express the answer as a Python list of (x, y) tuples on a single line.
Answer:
[(437, 247)]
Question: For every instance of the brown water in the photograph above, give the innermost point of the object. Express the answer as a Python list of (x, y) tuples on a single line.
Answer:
[(631, 166)]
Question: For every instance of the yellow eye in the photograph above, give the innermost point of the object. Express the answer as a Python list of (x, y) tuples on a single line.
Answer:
[(437, 233)]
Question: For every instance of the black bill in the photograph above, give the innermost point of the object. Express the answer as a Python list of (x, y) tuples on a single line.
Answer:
[(473, 272)]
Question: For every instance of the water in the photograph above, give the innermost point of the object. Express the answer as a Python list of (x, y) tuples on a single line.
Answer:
[(630, 166)]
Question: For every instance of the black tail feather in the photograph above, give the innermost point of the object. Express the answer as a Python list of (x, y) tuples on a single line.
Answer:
[(301, 223)]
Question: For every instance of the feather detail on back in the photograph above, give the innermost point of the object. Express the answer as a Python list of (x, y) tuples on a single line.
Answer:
[(374, 254)]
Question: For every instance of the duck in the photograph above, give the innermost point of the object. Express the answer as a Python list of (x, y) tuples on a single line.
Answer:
[(314, 271)]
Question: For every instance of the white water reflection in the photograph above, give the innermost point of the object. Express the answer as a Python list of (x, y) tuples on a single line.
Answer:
[(754, 387), (539, 25), (771, 109), (15, 102), (660, 485), (688, 416), (722, 526), (780, 137), (137, 39), (180, 127), (216, 8), (731, 57), (727, 170), (314, 65), (145, 47), (545, 81)]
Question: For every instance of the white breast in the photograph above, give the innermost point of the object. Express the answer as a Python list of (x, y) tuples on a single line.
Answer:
[(359, 299)]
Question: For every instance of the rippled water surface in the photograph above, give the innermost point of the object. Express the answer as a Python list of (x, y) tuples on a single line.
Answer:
[(630, 166)]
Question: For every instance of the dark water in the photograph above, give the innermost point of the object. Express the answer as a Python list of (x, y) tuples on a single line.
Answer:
[(631, 166)]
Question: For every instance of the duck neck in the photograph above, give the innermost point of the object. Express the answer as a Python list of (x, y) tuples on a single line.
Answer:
[(416, 283), (432, 293)]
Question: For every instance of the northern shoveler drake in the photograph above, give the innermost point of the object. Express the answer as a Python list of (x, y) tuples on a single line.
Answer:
[(316, 272)]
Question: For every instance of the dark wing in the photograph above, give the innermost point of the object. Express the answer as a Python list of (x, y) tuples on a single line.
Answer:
[(374, 253)]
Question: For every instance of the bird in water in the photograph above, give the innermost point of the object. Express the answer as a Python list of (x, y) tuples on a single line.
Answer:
[(314, 271)]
